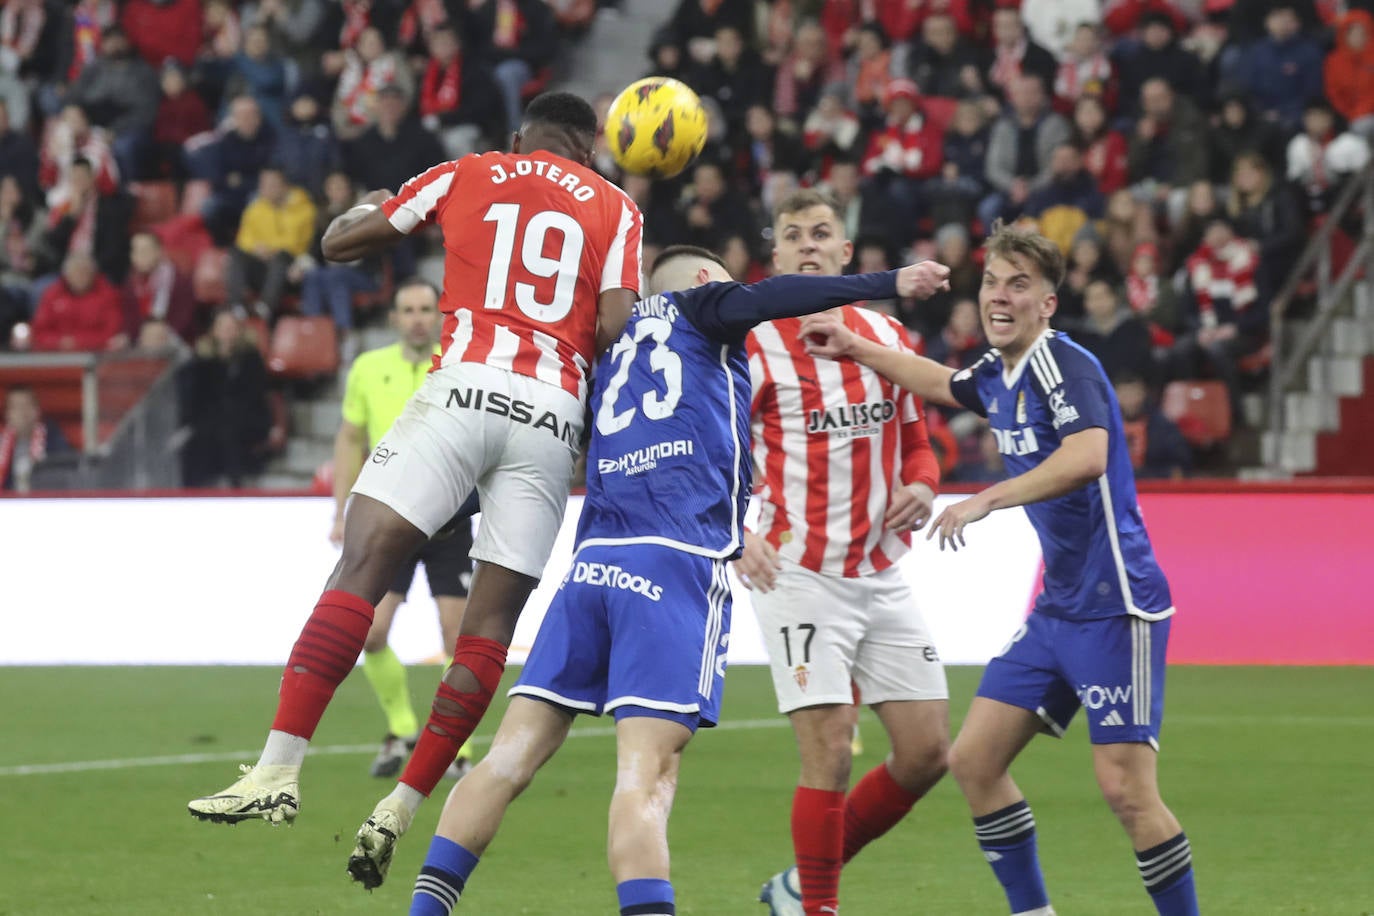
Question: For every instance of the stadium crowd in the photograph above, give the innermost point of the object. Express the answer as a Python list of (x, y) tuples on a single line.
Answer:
[(167, 167)]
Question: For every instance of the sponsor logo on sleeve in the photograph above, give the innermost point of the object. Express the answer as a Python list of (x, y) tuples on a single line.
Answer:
[(1064, 412)]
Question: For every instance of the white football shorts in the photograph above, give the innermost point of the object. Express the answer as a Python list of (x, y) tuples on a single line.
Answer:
[(824, 632), (512, 437)]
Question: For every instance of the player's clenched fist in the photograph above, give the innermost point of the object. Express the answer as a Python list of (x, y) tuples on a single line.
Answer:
[(920, 281), (826, 336)]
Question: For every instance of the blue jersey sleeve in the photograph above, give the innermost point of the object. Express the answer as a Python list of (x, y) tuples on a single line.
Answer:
[(964, 385), (728, 311), (1074, 387)]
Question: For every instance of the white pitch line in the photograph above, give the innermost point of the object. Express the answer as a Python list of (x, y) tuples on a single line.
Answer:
[(132, 763)]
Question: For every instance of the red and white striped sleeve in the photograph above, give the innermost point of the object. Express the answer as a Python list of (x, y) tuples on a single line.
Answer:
[(419, 198), (622, 268)]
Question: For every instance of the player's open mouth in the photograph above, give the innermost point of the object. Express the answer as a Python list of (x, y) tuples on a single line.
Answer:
[(808, 267), (999, 319)]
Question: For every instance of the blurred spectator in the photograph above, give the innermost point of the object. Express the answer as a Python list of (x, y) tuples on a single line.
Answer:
[(18, 155), (766, 148), (347, 20), (1224, 318), (831, 130), (79, 311), (180, 116), (1158, 56), (1114, 334), (1065, 203), (1283, 69), (369, 68), (393, 150), (1123, 18), (803, 73), (156, 293), (221, 40), (695, 23), (740, 261), (960, 341), (160, 29), (1086, 70), (1128, 223), (954, 249), (295, 24), (1020, 147), (953, 195), (458, 98), (1087, 263), (306, 149), (328, 289), (1015, 55), (1237, 129), (1267, 211), (1156, 446), (224, 406), (277, 228), (87, 222), (119, 92), (1168, 150), (422, 18), (906, 150), (862, 207), (72, 138), (1152, 296), (736, 78), (1200, 206), (666, 57), (1056, 25), (944, 63), (1349, 71), (516, 38), (27, 33), (1104, 149), (259, 71), (21, 237), (1248, 17), (870, 69), (232, 163), (709, 213), (1320, 158), (26, 440)]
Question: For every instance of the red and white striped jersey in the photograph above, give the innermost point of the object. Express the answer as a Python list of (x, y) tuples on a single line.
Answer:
[(831, 440), (530, 243)]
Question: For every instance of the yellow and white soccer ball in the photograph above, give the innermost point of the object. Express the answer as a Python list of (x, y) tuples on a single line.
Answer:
[(656, 127)]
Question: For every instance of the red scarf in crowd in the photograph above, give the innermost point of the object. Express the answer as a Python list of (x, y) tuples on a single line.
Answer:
[(419, 19), (38, 448), (357, 17), (443, 87)]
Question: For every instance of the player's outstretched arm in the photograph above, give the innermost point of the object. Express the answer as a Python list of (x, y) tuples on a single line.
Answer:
[(362, 231), (1080, 459), (826, 335)]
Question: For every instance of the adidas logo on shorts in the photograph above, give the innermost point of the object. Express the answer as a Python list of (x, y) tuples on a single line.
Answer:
[(1113, 718)]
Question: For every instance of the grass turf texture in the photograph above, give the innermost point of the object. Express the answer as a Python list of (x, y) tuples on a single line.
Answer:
[(1267, 768)]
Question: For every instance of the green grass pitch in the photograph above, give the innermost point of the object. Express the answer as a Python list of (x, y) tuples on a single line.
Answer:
[(1269, 770)]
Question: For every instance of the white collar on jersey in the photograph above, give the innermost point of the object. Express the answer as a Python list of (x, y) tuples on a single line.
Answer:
[(1011, 378)]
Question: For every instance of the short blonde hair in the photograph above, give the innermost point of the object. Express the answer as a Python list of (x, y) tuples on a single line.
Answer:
[(1009, 242)]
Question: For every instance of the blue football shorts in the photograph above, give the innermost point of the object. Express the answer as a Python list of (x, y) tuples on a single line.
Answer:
[(1111, 667), (635, 630)]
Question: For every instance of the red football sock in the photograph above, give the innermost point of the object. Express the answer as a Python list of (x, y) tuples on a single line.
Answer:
[(873, 808), (817, 840), (455, 714), (323, 655)]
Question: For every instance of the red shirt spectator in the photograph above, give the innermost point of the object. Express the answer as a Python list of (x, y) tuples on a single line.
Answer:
[(1122, 17), (908, 144), (1104, 150), (80, 311), (73, 138), (160, 30), (1349, 70), (156, 291), (182, 113)]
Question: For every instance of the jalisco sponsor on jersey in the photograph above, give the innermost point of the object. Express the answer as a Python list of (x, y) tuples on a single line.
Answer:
[(850, 416), (607, 575), (503, 405), (565, 180), (656, 307), (645, 459)]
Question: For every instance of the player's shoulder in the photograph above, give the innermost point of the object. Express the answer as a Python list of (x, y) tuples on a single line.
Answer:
[(879, 326), (1056, 357), (989, 364)]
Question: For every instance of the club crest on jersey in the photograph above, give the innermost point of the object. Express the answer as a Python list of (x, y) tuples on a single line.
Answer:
[(1021, 407), (801, 676), (1064, 412), (852, 419)]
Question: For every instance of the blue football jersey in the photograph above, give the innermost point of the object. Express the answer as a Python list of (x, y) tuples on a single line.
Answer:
[(669, 457), (1098, 558)]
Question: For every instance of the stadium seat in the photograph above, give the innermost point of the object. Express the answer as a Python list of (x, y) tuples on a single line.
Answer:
[(1202, 411), (303, 347), (154, 201), (207, 280)]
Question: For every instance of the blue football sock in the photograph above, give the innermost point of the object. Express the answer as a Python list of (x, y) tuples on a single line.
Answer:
[(442, 878), (1167, 870), (646, 897), (1008, 840)]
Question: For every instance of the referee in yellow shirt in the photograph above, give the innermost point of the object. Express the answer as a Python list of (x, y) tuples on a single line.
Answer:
[(379, 384)]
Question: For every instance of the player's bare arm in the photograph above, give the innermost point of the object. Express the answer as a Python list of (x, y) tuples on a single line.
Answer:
[(350, 449), (827, 336), (612, 312), (910, 508), (1080, 459), (361, 231)]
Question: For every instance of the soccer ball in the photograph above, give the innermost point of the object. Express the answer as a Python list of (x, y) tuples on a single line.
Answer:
[(655, 127)]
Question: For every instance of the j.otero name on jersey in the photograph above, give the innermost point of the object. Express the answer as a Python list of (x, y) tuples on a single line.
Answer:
[(526, 167)]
